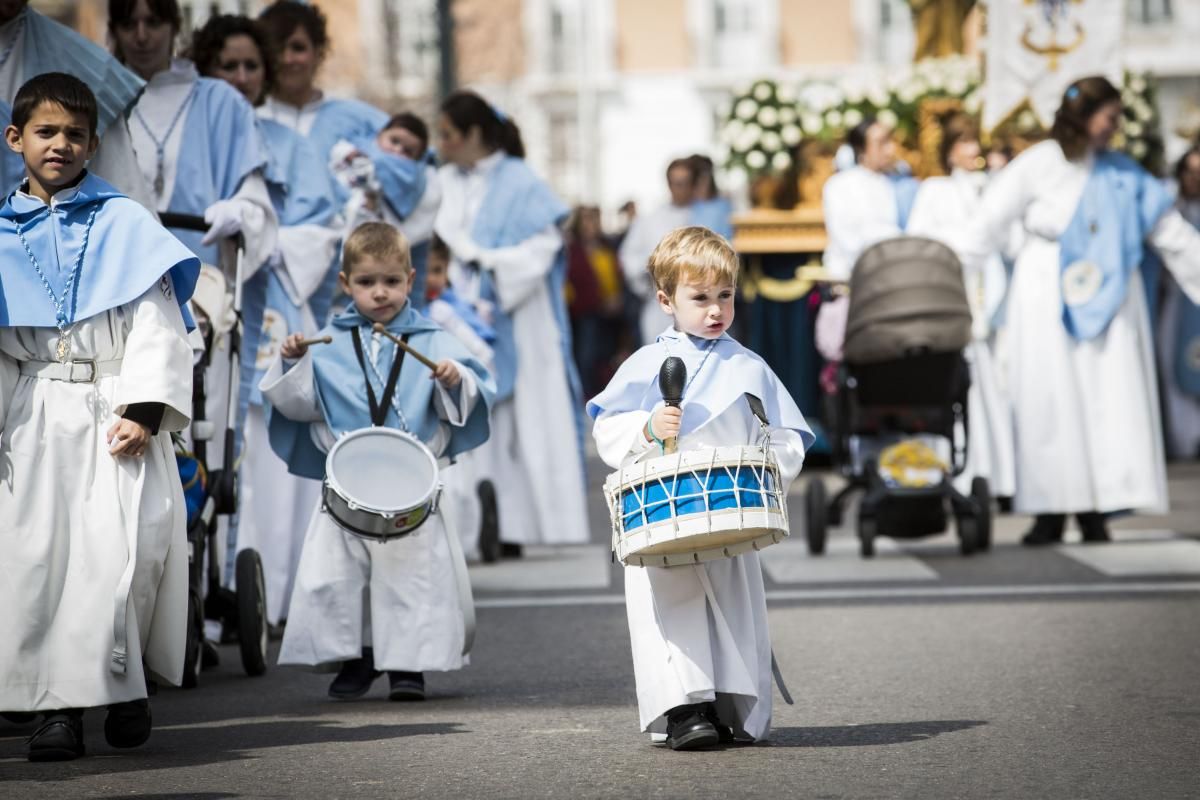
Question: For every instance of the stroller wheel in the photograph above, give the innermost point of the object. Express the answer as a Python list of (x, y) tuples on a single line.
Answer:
[(816, 516), (195, 640), (866, 537), (982, 496), (969, 534), (252, 612), (489, 526)]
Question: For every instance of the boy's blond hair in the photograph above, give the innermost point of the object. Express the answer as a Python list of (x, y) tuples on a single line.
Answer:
[(692, 253), (379, 241)]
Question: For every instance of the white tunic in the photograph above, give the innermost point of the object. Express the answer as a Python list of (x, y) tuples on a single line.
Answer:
[(71, 515), (700, 631), (643, 236), (860, 210), (399, 597), (948, 204), (534, 445), (1182, 409), (1086, 414)]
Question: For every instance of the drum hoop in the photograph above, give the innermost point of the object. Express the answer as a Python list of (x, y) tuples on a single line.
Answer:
[(336, 487)]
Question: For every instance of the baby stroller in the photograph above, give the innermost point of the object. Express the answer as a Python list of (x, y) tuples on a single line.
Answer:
[(212, 493), (901, 397)]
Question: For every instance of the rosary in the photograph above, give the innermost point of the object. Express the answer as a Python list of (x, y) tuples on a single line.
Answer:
[(160, 145), (62, 309)]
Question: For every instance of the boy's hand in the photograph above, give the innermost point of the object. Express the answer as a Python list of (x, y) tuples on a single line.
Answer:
[(447, 374), (128, 438), (293, 347), (665, 422)]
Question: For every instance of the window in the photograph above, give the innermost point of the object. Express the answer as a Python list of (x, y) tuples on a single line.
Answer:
[(412, 55), (1148, 12), (739, 33)]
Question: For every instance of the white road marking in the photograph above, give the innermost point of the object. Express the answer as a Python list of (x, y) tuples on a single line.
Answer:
[(543, 568), (1126, 559), (789, 562)]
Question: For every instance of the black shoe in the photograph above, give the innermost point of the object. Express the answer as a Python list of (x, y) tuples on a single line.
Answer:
[(128, 724), (1047, 529), (1094, 527), (406, 685), (60, 738), (355, 678), (688, 728), (724, 732), (510, 550), (489, 524), (1004, 504)]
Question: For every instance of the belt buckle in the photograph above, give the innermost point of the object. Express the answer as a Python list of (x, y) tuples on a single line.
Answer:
[(91, 378)]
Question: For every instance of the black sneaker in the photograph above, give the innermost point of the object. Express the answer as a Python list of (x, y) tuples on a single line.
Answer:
[(60, 737), (688, 728), (406, 686), (355, 678), (128, 724)]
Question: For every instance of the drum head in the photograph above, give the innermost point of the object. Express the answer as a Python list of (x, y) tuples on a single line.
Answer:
[(382, 470)]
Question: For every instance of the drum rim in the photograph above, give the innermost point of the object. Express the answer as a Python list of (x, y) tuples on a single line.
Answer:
[(336, 487)]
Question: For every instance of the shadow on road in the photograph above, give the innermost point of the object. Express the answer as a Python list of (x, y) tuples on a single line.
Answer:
[(871, 734), (194, 746)]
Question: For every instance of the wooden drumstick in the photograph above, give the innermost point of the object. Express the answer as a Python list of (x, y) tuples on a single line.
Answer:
[(405, 346), (317, 340)]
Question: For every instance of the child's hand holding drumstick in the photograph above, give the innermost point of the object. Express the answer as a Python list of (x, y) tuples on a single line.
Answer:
[(295, 346)]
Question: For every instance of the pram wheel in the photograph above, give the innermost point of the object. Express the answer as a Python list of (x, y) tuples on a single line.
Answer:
[(969, 534), (195, 639), (982, 496), (866, 537), (251, 612), (489, 525), (816, 516)]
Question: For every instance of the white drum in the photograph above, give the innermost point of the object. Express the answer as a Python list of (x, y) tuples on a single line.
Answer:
[(695, 506), (380, 483)]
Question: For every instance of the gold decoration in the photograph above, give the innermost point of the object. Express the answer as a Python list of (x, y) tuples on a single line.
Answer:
[(939, 27)]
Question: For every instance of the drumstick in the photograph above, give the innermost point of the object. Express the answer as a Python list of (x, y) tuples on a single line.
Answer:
[(317, 340), (405, 346)]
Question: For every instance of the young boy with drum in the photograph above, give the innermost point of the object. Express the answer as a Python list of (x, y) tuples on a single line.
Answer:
[(366, 598), (701, 648)]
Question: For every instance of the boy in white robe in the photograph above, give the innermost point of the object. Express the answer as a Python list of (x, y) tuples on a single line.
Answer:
[(701, 648), (95, 372), (401, 605)]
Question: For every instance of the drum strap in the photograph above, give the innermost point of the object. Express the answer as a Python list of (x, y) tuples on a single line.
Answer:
[(379, 408)]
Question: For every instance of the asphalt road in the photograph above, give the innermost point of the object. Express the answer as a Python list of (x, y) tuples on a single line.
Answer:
[(1072, 672)]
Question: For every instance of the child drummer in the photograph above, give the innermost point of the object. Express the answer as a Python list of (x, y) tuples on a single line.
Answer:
[(367, 605), (701, 648)]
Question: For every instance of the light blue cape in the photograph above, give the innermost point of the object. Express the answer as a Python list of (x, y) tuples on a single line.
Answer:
[(342, 390), (128, 252), (720, 373), (1120, 205), (715, 214)]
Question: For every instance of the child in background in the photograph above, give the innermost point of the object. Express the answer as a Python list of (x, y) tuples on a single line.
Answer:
[(701, 647), (370, 605)]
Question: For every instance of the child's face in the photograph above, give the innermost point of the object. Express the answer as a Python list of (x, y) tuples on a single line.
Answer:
[(378, 288), (702, 307), (435, 275), (55, 144), (400, 142)]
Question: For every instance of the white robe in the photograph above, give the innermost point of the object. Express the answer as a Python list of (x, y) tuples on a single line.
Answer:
[(400, 597), (1086, 414), (643, 236), (114, 160), (860, 210), (700, 631), (534, 445), (70, 513), (948, 204), (1182, 409)]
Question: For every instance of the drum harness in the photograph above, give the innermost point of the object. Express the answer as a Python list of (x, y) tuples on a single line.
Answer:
[(379, 408)]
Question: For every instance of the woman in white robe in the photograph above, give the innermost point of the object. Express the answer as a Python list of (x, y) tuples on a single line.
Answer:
[(946, 204), (501, 224), (1086, 413)]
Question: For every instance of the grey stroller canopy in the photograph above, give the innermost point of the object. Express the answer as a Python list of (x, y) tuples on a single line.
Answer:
[(906, 294)]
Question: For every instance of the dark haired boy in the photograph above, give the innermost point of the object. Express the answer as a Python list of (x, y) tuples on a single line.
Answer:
[(95, 371)]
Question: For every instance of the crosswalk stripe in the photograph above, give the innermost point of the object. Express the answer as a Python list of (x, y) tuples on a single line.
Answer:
[(1128, 559)]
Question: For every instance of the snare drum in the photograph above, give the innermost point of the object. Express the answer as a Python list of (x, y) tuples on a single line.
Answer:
[(695, 506), (380, 483)]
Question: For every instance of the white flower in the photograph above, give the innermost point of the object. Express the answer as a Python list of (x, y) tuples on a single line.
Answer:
[(771, 141), (957, 86), (787, 115), (936, 77), (790, 134), (852, 117), (746, 108), (734, 128), (756, 159), (972, 103), (785, 94), (768, 117), (1026, 121), (1137, 83), (781, 160), (762, 92), (1142, 110), (1133, 129), (748, 140), (1138, 149), (878, 96), (812, 124), (854, 95), (833, 118), (888, 118)]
